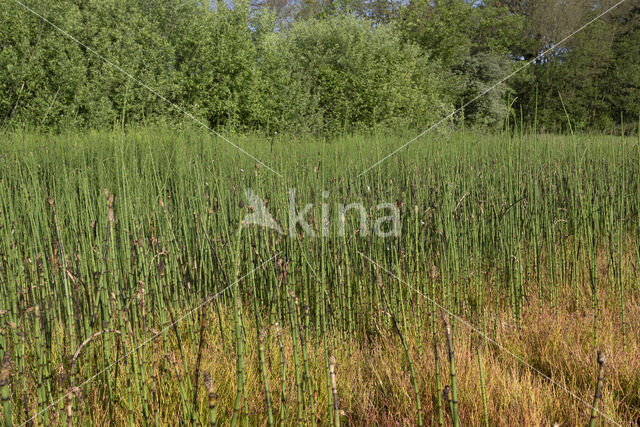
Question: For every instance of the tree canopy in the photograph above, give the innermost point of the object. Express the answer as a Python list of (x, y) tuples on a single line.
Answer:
[(320, 65)]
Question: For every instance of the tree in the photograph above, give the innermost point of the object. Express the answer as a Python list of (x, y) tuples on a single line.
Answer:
[(591, 76), (473, 42), (349, 74)]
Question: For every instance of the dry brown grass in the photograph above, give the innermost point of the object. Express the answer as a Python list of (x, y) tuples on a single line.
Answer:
[(374, 384)]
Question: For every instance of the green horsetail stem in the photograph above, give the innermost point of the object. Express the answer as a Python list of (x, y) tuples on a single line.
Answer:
[(265, 378), (482, 388), (334, 391), (283, 373), (211, 397), (296, 362), (239, 360), (306, 376), (513, 227), (414, 377), (154, 390), (239, 338), (67, 289), (405, 346), (201, 344), (73, 390), (436, 363), (452, 372), (597, 396), (43, 415)]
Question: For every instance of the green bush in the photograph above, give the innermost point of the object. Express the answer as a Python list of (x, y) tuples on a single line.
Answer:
[(343, 73), (228, 66)]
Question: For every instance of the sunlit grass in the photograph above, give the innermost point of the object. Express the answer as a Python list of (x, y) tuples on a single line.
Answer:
[(108, 240)]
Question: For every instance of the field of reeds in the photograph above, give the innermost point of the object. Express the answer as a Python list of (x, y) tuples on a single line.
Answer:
[(133, 291)]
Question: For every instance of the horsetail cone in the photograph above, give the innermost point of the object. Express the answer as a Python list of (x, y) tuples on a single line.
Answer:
[(446, 394), (211, 397)]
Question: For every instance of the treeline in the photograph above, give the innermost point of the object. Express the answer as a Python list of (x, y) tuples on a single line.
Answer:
[(319, 65)]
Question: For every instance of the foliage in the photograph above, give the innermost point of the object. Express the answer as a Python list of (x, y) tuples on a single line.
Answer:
[(485, 100), (591, 77), (472, 43), (352, 75), (317, 66)]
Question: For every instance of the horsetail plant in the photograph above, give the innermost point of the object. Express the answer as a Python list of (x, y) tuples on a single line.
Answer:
[(598, 392), (265, 379), (514, 227), (211, 397), (452, 371)]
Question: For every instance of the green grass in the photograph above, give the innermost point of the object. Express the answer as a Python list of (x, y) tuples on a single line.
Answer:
[(116, 236)]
